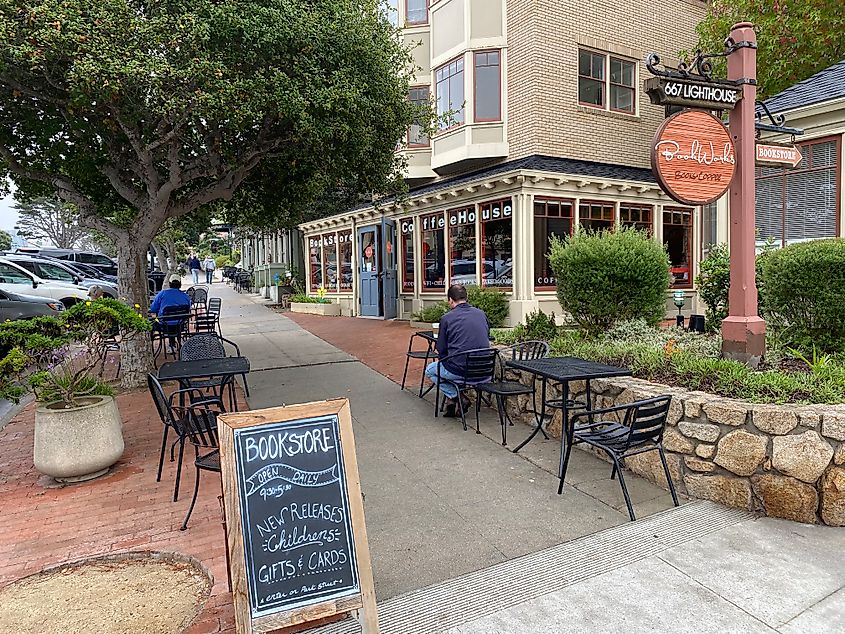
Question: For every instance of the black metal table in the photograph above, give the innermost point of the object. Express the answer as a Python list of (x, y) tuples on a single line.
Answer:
[(224, 367), (562, 370), (430, 353)]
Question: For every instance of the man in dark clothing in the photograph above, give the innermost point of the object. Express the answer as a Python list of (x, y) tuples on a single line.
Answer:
[(170, 297), (463, 328)]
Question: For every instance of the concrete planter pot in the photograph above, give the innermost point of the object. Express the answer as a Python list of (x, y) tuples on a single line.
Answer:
[(327, 310), (72, 445)]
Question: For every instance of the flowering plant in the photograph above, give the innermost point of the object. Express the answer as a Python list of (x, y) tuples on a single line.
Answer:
[(64, 358)]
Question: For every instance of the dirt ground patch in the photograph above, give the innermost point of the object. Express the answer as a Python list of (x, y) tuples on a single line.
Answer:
[(142, 593)]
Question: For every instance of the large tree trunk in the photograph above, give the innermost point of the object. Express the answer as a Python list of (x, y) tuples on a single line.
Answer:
[(136, 351)]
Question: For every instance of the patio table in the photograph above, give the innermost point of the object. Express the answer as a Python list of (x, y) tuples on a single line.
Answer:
[(562, 370), (224, 367)]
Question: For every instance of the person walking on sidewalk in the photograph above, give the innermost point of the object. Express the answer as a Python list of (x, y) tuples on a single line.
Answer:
[(208, 266), (463, 328), (195, 266)]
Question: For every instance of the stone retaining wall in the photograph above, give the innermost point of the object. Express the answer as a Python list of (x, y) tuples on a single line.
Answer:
[(782, 460)]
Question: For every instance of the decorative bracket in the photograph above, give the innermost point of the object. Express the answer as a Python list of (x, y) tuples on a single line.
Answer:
[(777, 121)]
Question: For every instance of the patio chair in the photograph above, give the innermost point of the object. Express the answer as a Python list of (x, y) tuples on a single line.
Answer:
[(480, 368), (211, 346), (175, 418), (506, 385), (202, 434), (429, 354), (171, 325), (214, 305), (641, 430), (199, 299)]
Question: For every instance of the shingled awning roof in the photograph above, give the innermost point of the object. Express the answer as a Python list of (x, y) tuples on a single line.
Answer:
[(824, 86)]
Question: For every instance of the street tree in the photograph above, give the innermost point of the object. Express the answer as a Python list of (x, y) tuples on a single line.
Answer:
[(795, 38), (5, 240), (49, 219), (139, 112)]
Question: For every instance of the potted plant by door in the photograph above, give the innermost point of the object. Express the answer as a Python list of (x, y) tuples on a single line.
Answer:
[(63, 362)]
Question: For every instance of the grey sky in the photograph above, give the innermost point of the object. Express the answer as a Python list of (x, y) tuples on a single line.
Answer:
[(8, 216)]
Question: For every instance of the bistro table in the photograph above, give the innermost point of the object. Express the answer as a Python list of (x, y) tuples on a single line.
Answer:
[(225, 367), (562, 370), (429, 354)]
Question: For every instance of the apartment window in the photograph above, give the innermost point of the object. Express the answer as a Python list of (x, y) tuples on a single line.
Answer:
[(551, 218), (801, 204), (462, 253), (417, 135), (497, 244), (416, 11), (344, 252), (450, 94), (434, 253), (406, 235), (488, 86), (595, 216), (637, 216), (677, 237), (614, 90)]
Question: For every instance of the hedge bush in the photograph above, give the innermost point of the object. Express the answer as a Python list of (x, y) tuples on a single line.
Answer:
[(803, 288), (609, 276), (494, 303), (432, 314), (713, 284)]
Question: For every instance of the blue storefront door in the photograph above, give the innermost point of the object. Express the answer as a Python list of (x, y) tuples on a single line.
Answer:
[(369, 270), (389, 289)]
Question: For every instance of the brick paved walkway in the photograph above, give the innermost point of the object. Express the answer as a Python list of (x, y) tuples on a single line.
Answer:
[(126, 510), (379, 344)]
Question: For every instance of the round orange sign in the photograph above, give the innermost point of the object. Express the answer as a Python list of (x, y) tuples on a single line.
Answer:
[(693, 157)]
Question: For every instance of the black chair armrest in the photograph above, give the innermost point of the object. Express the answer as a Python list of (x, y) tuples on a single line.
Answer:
[(616, 408)]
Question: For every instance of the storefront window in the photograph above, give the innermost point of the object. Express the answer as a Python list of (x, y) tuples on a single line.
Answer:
[(330, 262), (595, 216), (316, 262), (551, 218), (406, 265), (462, 252), (344, 250), (637, 216), (677, 236), (497, 244), (708, 229), (434, 253)]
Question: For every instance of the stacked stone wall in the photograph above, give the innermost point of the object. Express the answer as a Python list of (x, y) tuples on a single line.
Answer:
[(784, 461)]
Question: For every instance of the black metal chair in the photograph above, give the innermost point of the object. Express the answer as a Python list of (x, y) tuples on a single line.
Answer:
[(641, 430), (175, 418), (171, 324), (213, 309), (429, 354), (507, 385), (210, 346), (199, 299), (202, 434), (480, 367)]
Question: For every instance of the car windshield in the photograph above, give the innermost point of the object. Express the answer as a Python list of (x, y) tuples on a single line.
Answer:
[(53, 272)]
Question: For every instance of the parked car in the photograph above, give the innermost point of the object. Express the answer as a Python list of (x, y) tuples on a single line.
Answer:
[(14, 306), (17, 280), (98, 260), (60, 271)]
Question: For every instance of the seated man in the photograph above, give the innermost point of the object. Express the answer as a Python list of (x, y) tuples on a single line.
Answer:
[(463, 328), (167, 298)]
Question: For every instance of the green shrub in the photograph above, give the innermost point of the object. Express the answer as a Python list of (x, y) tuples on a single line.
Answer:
[(609, 276), (804, 294), (539, 325), (493, 302), (433, 313), (301, 298), (713, 284), (222, 260)]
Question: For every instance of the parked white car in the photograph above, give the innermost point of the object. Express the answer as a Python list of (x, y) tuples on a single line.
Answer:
[(15, 279)]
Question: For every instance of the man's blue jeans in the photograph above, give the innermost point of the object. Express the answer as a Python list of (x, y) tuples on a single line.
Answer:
[(446, 387), (195, 276)]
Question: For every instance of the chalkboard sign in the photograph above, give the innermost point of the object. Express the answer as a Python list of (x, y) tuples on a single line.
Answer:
[(294, 516)]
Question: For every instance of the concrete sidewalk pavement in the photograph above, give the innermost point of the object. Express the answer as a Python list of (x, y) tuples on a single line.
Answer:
[(468, 538)]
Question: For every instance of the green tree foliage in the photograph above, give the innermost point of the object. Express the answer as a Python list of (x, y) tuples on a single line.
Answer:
[(139, 112), (796, 38), (48, 219), (610, 276), (5, 240), (803, 287)]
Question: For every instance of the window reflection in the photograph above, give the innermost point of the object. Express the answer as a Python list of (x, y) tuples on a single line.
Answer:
[(434, 253), (551, 218), (462, 253), (497, 244)]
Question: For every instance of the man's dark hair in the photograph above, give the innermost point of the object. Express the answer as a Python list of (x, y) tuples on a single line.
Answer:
[(457, 293), (175, 283)]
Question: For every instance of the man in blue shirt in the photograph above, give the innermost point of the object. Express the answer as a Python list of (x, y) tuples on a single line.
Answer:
[(463, 328), (174, 299)]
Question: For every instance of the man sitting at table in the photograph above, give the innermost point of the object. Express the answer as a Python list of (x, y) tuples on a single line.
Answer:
[(164, 299), (463, 328)]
